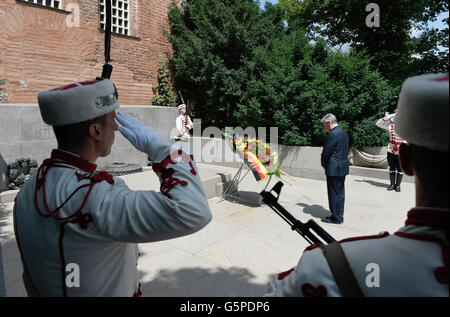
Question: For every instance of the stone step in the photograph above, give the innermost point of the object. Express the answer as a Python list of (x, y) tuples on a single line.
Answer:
[(212, 182)]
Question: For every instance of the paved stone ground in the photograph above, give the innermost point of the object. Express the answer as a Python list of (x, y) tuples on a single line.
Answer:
[(243, 245)]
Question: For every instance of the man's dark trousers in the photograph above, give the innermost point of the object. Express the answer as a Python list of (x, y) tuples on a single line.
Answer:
[(336, 195), (334, 159)]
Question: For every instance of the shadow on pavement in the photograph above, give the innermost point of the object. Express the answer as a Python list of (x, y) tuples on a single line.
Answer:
[(316, 211), (202, 282), (247, 198), (377, 184)]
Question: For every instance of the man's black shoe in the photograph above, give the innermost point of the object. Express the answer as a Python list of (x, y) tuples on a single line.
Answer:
[(397, 188), (332, 219), (391, 187)]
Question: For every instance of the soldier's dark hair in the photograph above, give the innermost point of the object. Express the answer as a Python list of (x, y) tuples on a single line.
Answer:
[(431, 168), (74, 135)]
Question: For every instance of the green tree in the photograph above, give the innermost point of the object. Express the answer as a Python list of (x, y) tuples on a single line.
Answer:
[(163, 91), (241, 66), (297, 83), (213, 41), (394, 49)]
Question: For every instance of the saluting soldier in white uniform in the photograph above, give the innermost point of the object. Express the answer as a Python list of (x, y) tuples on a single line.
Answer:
[(414, 261), (395, 170), (184, 124), (70, 218)]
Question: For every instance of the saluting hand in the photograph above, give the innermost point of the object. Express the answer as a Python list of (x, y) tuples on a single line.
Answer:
[(139, 134)]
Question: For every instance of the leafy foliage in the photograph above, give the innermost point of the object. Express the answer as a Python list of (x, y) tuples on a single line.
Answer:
[(242, 66), (212, 42), (395, 50), (164, 94)]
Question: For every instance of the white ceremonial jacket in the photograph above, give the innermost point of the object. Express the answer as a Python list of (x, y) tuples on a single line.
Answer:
[(183, 132), (92, 239), (387, 123), (412, 262)]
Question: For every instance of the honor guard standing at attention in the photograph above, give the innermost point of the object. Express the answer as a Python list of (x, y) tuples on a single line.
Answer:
[(184, 124), (414, 261), (77, 229), (395, 171)]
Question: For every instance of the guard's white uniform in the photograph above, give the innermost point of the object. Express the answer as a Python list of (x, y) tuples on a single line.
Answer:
[(183, 132), (102, 242), (387, 123), (411, 262)]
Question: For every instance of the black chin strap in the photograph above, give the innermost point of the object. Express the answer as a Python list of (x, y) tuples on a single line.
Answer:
[(107, 68)]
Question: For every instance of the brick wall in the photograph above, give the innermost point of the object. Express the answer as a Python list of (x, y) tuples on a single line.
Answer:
[(40, 50)]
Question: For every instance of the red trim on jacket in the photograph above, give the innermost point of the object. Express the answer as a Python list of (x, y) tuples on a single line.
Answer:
[(435, 218), (77, 217), (428, 217), (394, 139), (70, 86), (376, 236), (442, 79), (73, 160), (312, 247), (171, 160), (138, 293), (440, 272), (282, 275), (168, 181), (309, 290)]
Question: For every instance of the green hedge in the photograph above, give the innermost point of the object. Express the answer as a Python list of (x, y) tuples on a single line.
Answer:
[(242, 66)]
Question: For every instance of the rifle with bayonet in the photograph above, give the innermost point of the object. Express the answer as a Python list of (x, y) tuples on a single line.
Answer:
[(311, 231)]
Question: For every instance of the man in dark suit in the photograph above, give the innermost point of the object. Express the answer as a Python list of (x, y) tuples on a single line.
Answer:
[(334, 160)]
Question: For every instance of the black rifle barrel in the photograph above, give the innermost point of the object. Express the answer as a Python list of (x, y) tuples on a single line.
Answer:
[(303, 229), (107, 68)]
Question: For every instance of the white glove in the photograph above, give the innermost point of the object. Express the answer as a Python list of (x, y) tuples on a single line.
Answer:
[(272, 285), (386, 114), (139, 134)]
